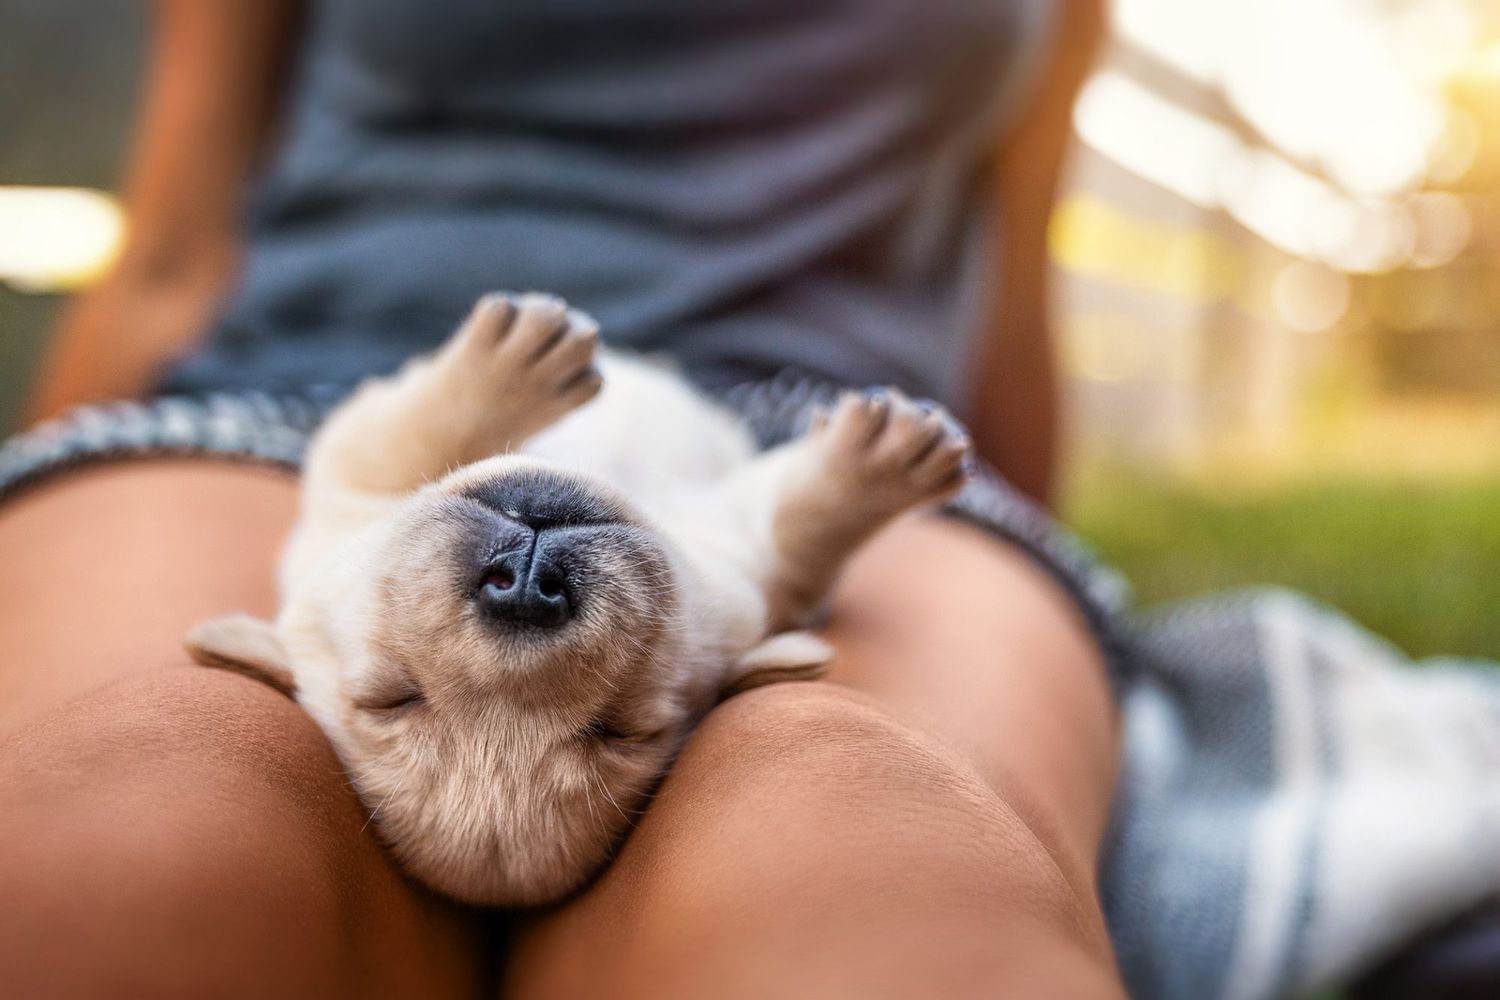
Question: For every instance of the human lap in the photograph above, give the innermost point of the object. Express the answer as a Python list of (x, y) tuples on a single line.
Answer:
[(308, 857)]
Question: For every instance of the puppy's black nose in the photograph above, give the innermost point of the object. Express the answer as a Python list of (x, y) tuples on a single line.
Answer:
[(526, 588)]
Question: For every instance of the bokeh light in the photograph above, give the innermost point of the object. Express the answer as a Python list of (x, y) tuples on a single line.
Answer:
[(1283, 227), (1310, 297), (57, 239)]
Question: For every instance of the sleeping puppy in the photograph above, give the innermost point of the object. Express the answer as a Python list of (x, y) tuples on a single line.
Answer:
[(510, 595)]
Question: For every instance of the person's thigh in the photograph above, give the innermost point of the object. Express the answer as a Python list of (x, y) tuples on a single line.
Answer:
[(926, 826), (967, 639), (170, 829), (106, 568)]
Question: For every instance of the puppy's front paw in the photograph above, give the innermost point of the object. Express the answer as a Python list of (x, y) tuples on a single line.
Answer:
[(525, 360), (893, 450)]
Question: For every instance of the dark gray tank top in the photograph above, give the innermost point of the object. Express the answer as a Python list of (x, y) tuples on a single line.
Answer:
[(746, 185)]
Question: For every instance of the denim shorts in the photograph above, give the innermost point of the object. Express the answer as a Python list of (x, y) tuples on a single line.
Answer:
[(254, 427)]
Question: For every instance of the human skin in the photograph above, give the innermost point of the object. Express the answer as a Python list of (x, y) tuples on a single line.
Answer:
[(925, 822)]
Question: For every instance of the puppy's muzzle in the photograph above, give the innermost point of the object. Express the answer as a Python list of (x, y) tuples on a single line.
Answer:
[(527, 587)]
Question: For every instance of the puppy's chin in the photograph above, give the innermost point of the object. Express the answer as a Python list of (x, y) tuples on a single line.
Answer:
[(544, 872), (510, 845)]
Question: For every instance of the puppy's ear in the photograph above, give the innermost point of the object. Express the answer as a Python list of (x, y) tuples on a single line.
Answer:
[(246, 645), (787, 656)]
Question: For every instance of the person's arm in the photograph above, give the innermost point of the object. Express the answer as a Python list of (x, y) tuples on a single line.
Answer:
[(1014, 414), (213, 87)]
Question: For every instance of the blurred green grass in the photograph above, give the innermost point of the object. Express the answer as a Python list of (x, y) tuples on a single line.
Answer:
[(1416, 563)]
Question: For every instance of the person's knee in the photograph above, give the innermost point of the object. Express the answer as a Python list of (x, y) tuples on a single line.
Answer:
[(806, 841), (181, 827), (842, 785), (834, 737), (177, 750)]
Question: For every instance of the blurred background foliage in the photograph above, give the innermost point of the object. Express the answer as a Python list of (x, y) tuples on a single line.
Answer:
[(1280, 305)]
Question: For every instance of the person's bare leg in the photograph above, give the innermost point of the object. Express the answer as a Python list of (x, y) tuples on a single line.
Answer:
[(982, 649), (169, 829), (927, 826)]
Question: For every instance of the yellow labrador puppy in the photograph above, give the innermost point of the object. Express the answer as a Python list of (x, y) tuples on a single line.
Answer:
[(510, 594)]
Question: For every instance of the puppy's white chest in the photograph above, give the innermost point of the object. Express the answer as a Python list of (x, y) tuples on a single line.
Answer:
[(647, 433)]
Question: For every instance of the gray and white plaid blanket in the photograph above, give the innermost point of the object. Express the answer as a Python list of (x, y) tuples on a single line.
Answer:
[(1296, 798)]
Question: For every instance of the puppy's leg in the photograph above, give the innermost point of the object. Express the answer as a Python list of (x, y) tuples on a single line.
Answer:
[(516, 365), (813, 501)]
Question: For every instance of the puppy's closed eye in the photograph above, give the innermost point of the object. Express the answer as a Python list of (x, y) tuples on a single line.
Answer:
[(608, 731), (393, 700)]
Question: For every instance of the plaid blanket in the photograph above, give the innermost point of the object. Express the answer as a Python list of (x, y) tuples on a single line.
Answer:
[(1297, 798)]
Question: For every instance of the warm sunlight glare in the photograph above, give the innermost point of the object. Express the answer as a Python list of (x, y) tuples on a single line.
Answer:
[(56, 239)]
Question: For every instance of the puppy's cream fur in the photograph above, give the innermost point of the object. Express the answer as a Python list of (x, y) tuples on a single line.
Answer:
[(502, 766)]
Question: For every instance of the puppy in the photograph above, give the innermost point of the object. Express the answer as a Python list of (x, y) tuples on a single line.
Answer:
[(525, 567)]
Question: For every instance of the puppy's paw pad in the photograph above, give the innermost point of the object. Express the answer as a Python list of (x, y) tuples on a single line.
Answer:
[(519, 362), (486, 325), (890, 442), (539, 320), (556, 342), (945, 460), (525, 337)]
